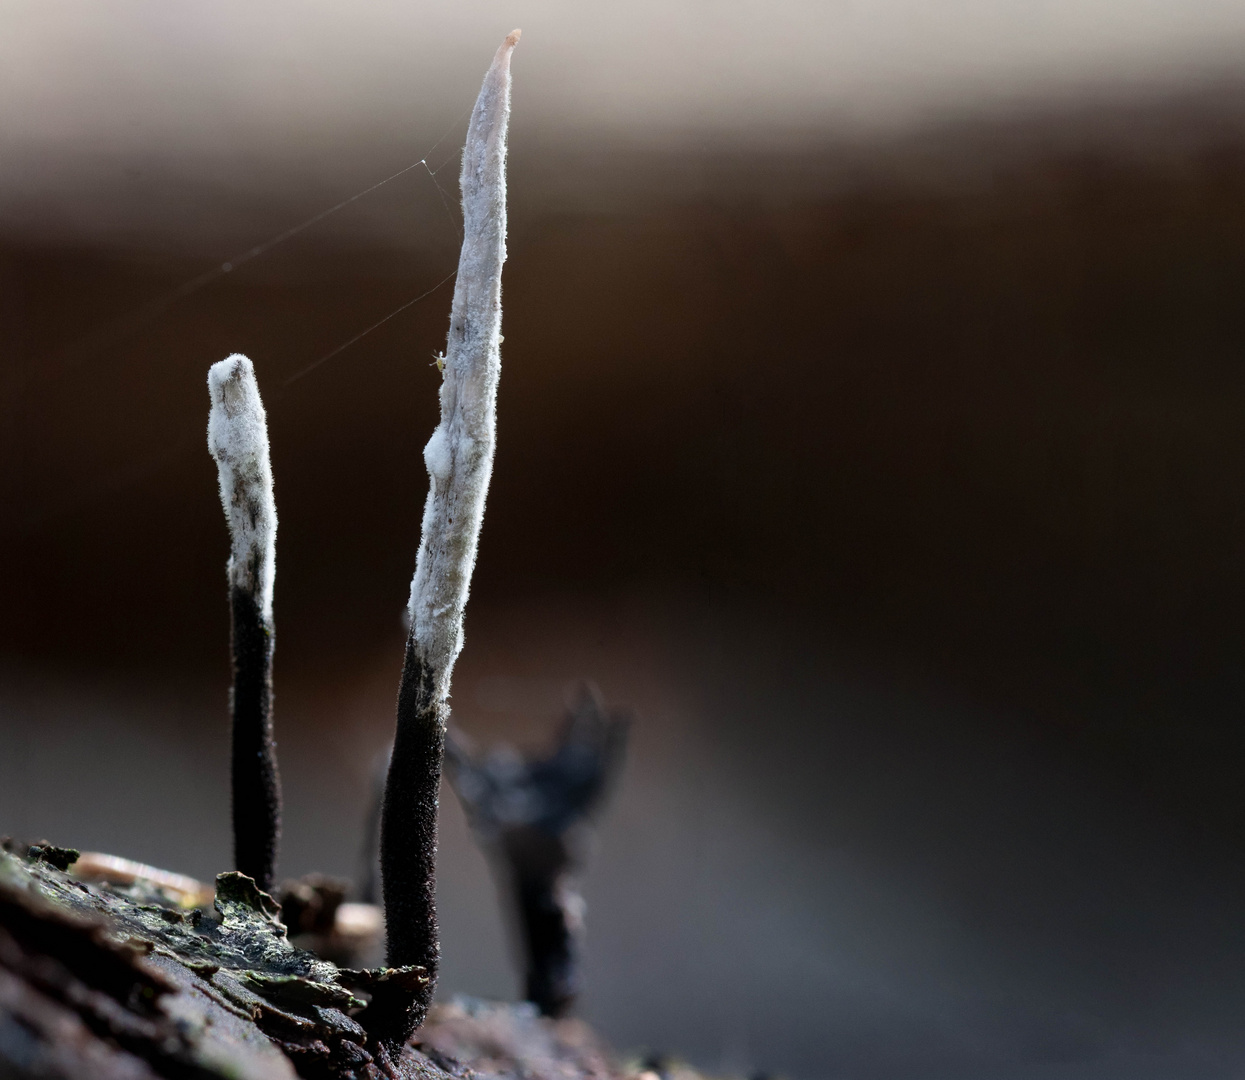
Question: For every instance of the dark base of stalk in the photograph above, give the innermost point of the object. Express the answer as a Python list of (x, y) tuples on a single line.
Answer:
[(408, 851), (255, 780)]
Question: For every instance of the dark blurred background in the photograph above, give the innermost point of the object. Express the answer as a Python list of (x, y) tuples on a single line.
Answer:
[(871, 422)]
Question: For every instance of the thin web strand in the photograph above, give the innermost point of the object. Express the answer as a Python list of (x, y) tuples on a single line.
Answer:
[(362, 334), (151, 310), (20, 524), (137, 471), (445, 201)]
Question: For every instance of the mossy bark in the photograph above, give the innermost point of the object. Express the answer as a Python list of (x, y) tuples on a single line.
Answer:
[(126, 983), (110, 982)]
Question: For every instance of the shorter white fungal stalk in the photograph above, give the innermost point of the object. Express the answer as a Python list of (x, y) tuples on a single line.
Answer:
[(238, 440)]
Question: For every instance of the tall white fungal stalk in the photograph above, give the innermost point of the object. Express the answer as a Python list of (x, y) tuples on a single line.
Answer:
[(238, 440), (459, 456)]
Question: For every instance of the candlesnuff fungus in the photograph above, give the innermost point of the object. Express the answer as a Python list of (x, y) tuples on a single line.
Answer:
[(459, 457), (238, 440), (531, 816)]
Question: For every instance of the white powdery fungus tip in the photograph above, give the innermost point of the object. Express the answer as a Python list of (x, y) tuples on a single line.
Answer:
[(459, 456), (238, 440)]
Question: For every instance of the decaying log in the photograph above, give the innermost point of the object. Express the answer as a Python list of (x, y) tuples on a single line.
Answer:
[(131, 982)]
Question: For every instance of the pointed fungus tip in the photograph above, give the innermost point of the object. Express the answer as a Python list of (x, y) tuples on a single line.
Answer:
[(512, 39)]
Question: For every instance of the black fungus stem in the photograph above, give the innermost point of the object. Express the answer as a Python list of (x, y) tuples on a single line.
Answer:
[(256, 782), (408, 853)]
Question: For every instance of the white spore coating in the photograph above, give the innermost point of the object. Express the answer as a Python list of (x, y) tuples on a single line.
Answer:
[(238, 440), (459, 456)]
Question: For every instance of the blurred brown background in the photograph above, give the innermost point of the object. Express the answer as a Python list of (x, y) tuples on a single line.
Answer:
[(870, 422)]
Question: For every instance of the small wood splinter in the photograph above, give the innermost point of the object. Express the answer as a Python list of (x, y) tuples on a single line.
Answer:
[(238, 440), (459, 457)]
